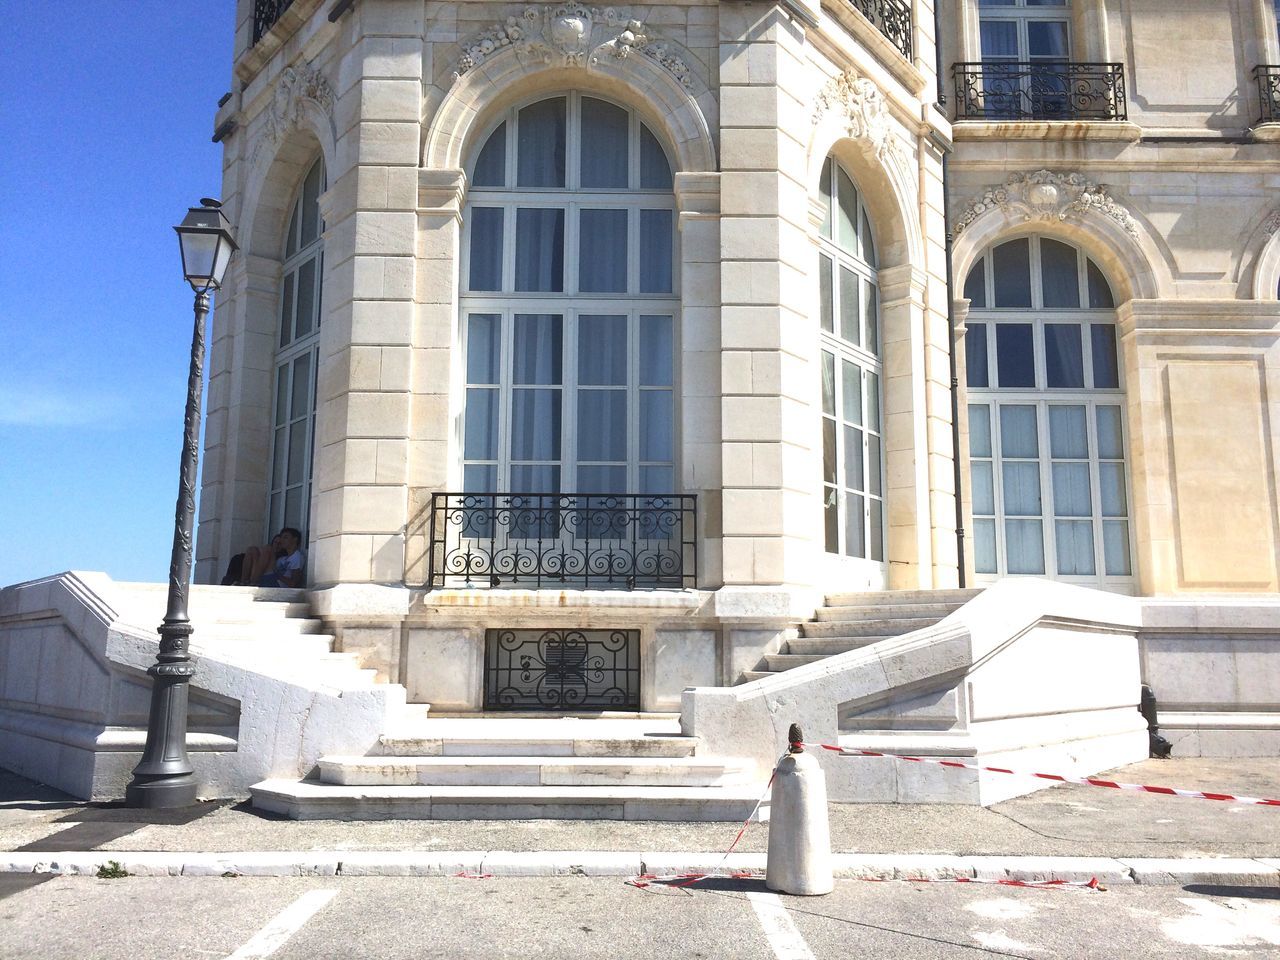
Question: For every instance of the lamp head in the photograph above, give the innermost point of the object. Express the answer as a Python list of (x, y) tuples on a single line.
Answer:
[(207, 245)]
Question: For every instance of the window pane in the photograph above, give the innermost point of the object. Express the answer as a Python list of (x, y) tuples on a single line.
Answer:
[(1063, 355), (291, 242), (1012, 265), (1110, 433), (853, 458), (1115, 501), (984, 546), (999, 38), (847, 212), (873, 400), (605, 144), (602, 251), (975, 286), (1024, 546), (825, 295), (293, 507), (483, 347), (297, 453), (535, 478), (877, 530), (280, 451), (829, 465), (867, 241), (536, 356), (656, 425), (540, 146), (479, 478), (602, 425), (311, 205), (306, 297), (1074, 548), (975, 355), (1099, 289), (491, 165), (829, 384), (1019, 436), (871, 313), (1071, 496), (655, 251), (1068, 433), (979, 430), (596, 478), (300, 401), (1115, 548), (539, 250), (855, 526), (1048, 38), (824, 191), (1106, 364), (874, 468), (486, 248), (655, 169), (481, 425), (850, 315), (602, 351), (1060, 274), (535, 425), (1021, 488), (831, 521), (655, 352), (286, 311), (282, 393), (1015, 356), (657, 480), (984, 491), (851, 391)]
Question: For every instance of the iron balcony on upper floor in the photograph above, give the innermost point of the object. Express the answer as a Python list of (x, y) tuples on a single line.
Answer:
[(265, 15), (1268, 77), (1040, 90), (892, 18)]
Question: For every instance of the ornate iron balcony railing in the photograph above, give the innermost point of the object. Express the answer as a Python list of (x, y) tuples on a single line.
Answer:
[(566, 540), (892, 18), (265, 15), (1268, 77), (1040, 90)]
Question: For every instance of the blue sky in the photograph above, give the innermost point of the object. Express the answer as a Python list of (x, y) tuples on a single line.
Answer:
[(101, 155)]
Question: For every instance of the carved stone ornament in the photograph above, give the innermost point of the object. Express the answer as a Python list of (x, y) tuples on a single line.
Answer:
[(1048, 196), (1272, 224), (571, 36), (861, 108), (296, 87)]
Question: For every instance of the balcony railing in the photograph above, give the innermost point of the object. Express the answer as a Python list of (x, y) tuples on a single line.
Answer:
[(1268, 77), (892, 18), (265, 15), (584, 541), (1040, 90)]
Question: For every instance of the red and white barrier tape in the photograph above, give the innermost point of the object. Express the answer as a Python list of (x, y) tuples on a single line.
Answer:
[(1057, 778)]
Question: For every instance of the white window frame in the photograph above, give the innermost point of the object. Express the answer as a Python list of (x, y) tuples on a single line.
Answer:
[(1021, 14)]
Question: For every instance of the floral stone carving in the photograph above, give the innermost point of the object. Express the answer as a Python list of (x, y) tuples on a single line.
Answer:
[(571, 36), (1045, 195), (296, 87), (861, 108)]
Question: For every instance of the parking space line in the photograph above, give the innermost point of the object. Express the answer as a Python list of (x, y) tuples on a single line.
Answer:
[(284, 925), (779, 929)]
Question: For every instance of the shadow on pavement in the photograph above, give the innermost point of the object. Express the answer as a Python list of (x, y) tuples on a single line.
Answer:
[(1225, 890)]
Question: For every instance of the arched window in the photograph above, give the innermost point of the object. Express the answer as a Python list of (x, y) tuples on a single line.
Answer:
[(297, 355), (568, 304), (849, 310), (1046, 416)]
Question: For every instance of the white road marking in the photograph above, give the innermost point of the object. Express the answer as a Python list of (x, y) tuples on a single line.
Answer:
[(284, 925), (1005, 908), (779, 929)]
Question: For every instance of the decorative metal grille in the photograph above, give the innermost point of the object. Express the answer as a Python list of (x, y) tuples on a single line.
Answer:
[(892, 18), (1268, 77), (1040, 90), (588, 541), (562, 670), (265, 15)]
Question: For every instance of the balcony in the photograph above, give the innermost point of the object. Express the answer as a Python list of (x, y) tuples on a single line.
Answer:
[(563, 540), (892, 18), (1040, 90), (265, 15), (1268, 77)]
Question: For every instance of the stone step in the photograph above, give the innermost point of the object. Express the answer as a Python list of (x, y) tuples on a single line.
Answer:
[(300, 645), (866, 628), (749, 675), (901, 596), (309, 800), (205, 591), (777, 662), (528, 746), (290, 627), (830, 646), (891, 611), (251, 612), (532, 771)]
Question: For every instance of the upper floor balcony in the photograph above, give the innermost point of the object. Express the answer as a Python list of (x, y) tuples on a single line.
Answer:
[(998, 90), (1268, 77), (265, 15), (892, 18)]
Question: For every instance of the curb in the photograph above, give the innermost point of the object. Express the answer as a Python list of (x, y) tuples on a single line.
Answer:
[(848, 866)]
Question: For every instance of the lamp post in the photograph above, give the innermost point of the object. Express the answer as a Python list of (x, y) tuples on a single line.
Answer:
[(165, 777)]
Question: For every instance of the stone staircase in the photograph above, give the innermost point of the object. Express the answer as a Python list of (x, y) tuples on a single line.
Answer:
[(487, 768), (850, 621)]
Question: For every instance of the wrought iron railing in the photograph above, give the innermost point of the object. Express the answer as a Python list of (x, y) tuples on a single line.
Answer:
[(1268, 77), (562, 670), (1040, 90), (265, 15), (892, 18), (579, 540)]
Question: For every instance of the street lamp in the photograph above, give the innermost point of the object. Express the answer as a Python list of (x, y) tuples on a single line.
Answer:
[(165, 777)]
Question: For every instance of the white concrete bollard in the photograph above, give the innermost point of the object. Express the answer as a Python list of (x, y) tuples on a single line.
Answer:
[(799, 859)]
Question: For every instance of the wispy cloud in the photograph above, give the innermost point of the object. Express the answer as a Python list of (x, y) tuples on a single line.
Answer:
[(62, 406)]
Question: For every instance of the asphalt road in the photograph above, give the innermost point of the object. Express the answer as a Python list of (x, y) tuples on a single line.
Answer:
[(141, 918)]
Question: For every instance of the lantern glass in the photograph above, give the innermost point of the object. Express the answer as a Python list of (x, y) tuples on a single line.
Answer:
[(207, 246)]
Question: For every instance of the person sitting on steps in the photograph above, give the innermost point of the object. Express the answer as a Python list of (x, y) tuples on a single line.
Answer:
[(280, 565)]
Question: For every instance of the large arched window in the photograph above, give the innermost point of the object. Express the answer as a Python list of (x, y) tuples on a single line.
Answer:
[(297, 355), (568, 304), (1046, 416), (849, 311)]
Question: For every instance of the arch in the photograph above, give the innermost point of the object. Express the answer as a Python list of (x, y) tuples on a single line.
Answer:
[(683, 115), (1266, 263), (275, 171)]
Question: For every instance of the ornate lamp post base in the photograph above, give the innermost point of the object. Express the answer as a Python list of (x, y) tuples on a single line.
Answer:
[(165, 777)]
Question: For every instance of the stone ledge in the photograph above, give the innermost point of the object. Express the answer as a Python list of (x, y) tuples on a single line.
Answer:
[(1091, 130)]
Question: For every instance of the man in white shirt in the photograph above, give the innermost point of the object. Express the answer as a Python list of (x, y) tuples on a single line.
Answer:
[(289, 565)]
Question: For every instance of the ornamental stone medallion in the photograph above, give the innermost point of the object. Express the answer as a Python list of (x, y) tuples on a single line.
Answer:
[(570, 36), (1044, 195), (296, 87), (860, 107)]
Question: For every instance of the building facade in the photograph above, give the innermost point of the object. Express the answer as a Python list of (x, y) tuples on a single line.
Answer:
[(654, 324)]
